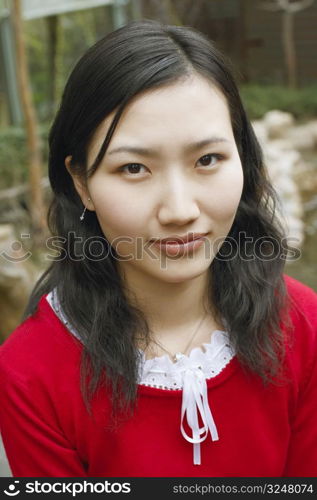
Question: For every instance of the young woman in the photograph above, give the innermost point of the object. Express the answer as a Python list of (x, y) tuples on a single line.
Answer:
[(164, 338)]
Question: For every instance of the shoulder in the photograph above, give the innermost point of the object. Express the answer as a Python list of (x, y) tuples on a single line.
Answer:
[(40, 380), (39, 345), (302, 328), (299, 290), (302, 303)]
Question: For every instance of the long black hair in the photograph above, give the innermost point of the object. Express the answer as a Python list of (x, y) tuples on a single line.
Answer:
[(248, 293)]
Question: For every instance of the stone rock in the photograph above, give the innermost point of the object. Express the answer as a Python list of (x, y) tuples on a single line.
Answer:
[(277, 123), (304, 137), (261, 132), (17, 278), (282, 161)]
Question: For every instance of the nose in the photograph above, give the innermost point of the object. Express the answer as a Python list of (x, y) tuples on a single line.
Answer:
[(178, 204)]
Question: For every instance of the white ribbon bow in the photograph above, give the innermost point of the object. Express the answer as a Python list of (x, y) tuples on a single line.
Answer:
[(195, 397)]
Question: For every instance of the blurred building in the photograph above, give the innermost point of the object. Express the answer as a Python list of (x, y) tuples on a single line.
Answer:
[(252, 37)]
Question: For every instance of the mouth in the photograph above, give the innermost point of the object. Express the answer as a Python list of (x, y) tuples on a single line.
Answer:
[(180, 240), (178, 245)]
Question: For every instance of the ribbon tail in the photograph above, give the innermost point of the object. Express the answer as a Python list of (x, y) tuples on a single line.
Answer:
[(195, 404), (196, 452), (208, 415)]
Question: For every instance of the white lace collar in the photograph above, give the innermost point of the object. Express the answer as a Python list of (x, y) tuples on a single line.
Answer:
[(188, 373), (161, 372)]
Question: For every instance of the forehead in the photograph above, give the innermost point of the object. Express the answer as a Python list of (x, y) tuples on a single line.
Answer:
[(176, 113)]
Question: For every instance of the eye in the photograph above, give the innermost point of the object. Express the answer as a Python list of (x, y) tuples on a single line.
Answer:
[(132, 168), (210, 160)]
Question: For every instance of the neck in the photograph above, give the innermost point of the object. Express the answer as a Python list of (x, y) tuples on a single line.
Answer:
[(172, 310), (168, 304)]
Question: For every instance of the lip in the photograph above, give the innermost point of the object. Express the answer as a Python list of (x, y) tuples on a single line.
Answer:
[(180, 240), (176, 246)]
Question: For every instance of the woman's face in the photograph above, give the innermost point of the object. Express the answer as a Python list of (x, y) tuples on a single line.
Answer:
[(172, 169)]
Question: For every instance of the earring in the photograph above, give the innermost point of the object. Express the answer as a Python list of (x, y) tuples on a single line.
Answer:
[(83, 214)]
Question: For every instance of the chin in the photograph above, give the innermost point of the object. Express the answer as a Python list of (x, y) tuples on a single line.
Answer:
[(187, 273)]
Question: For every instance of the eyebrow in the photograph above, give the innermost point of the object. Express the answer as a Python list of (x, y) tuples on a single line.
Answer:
[(194, 146)]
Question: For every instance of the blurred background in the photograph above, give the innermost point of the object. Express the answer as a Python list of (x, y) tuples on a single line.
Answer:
[(272, 45)]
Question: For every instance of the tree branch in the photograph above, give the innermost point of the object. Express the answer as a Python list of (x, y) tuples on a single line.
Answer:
[(304, 4), (271, 6), (286, 5)]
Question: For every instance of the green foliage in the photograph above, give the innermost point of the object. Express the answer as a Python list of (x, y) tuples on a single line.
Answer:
[(258, 99), (75, 32), (13, 155)]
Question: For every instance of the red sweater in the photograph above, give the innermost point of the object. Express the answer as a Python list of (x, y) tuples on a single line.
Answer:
[(263, 431)]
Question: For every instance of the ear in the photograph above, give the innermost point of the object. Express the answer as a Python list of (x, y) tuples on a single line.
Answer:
[(79, 185)]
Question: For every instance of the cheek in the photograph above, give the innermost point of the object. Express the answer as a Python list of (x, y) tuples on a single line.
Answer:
[(118, 212), (226, 194)]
